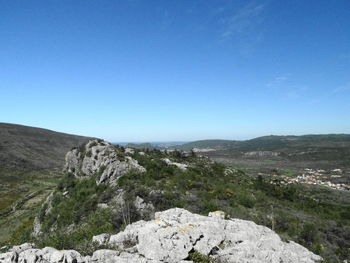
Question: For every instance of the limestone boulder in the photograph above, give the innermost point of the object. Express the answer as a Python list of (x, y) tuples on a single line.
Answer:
[(172, 237), (176, 233)]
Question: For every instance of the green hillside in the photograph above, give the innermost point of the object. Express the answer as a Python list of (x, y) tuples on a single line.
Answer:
[(270, 143), (206, 144), (31, 161), (313, 216)]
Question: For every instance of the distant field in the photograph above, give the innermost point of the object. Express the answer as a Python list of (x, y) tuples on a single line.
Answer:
[(21, 195)]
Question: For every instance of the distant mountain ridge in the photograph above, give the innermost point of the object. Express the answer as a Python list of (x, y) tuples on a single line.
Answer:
[(25, 147), (273, 142), (326, 151)]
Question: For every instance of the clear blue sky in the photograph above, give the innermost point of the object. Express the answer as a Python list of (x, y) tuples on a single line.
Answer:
[(176, 70)]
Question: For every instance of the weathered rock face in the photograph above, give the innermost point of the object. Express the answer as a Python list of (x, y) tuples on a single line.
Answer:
[(102, 159), (172, 237), (176, 232)]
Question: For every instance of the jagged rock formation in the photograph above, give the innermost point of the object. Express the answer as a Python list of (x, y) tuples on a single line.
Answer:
[(172, 237), (100, 158), (106, 163)]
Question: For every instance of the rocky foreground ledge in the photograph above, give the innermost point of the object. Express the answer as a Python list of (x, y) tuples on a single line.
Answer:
[(172, 237)]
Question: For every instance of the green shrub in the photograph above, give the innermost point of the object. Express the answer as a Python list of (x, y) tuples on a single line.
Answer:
[(309, 234), (22, 233), (80, 238), (197, 257)]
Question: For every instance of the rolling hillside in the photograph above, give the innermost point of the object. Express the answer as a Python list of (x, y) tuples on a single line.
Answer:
[(31, 161), (27, 148), (274, 143)]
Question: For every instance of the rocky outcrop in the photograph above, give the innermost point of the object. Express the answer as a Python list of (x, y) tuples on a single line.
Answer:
[(172, 237), (182, 166), (176, 233), (106, 163), (100, 158)]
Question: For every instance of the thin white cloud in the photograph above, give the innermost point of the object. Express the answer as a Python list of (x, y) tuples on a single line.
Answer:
[(277, 81), (285, 86), (243, 22), (296, 91), (342, 88), (292, 94)]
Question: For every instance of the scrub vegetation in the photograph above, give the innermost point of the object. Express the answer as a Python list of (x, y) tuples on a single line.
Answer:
[(310, 215)]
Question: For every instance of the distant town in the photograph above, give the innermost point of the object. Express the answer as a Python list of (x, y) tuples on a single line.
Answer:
[(316, 177)]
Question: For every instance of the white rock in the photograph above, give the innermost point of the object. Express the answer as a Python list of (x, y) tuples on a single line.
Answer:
[(142, 207), (100, 157), (8, 257), (129, 151), (172, 236), (176, 232), (182, 166), (105, 255), (217, 214), (31, 256), (36, 227), (49, 253), (20, 248)]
